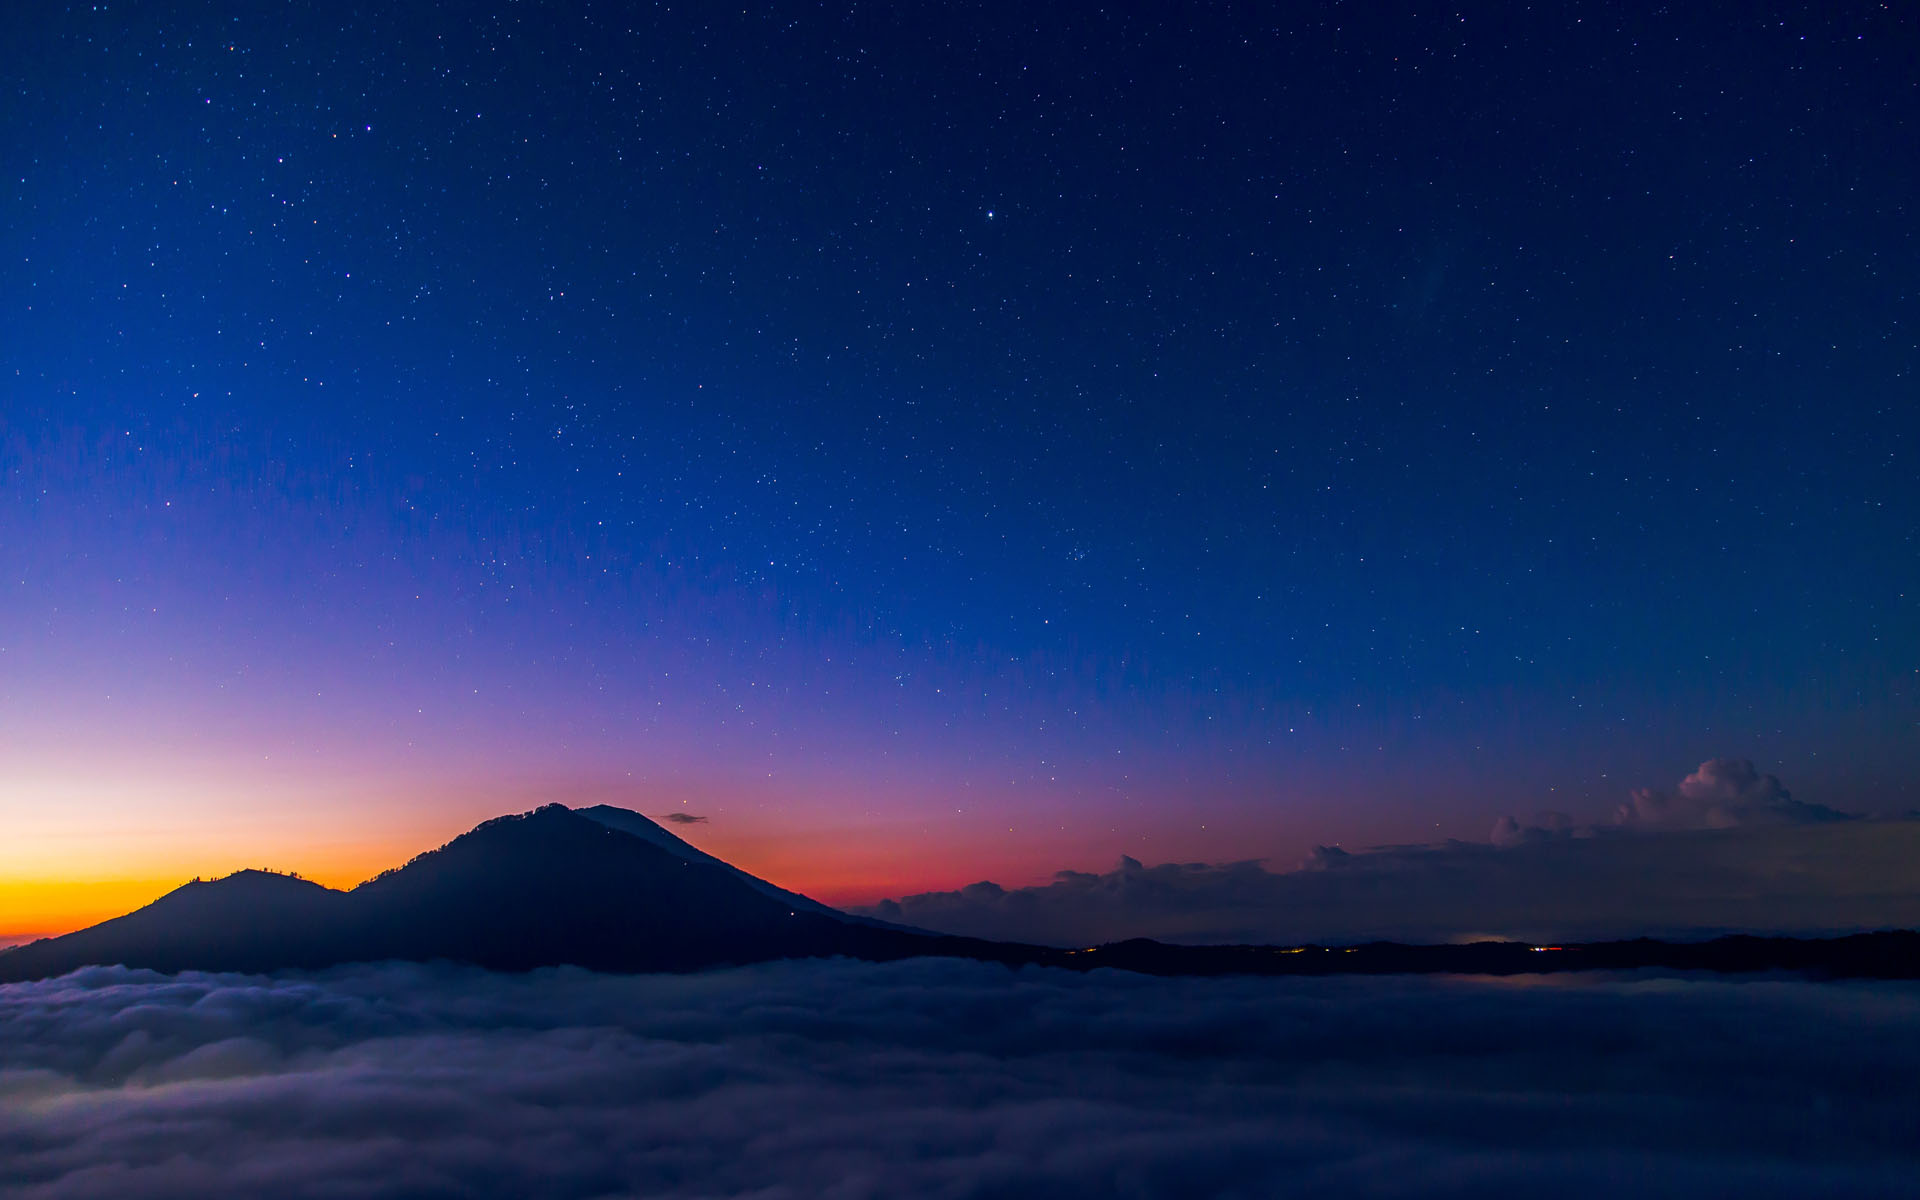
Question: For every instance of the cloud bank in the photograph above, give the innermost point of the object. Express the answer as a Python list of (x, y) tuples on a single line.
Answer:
[(1729, 850), (949, 1079)]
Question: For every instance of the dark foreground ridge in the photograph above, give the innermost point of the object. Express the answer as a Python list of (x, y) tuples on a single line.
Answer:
[(609, 890)]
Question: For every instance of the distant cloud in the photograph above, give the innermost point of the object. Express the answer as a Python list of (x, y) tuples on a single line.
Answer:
[(1728, 851), (682, 818), (948, 1079), (1551, 825), (1725, 793)]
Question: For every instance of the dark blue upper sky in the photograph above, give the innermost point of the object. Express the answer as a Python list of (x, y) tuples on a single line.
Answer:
[(1306, 421)]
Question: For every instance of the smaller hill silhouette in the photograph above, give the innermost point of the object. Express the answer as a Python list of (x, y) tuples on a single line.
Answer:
[(248, 921)]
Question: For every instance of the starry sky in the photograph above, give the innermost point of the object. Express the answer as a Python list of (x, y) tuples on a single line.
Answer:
[(935, 442)]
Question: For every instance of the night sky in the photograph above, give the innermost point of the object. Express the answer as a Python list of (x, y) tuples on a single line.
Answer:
[(942, 442)]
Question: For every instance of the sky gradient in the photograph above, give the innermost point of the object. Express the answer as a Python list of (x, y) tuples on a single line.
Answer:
[(942, 444)]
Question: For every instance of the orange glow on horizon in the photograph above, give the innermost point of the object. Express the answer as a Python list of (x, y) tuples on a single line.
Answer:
[(833, 869), (32, 908), (49, 907), (37, 908), (80, 851)]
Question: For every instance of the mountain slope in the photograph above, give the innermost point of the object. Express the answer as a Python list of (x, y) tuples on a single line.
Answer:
[(645, 828)]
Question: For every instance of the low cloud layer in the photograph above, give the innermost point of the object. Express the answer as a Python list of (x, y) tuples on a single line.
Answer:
[(949, 1079), (1729, 850)]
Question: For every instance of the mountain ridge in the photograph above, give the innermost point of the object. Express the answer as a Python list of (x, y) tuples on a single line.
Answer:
[(556, 886)]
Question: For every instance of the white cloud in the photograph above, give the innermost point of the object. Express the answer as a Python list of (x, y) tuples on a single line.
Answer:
[(1725, 793), (948, 1079)]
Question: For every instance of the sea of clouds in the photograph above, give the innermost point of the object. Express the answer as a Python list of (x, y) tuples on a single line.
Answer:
[(937, 1078)]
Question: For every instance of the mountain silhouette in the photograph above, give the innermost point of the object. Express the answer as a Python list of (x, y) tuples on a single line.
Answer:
[(607, 889)]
